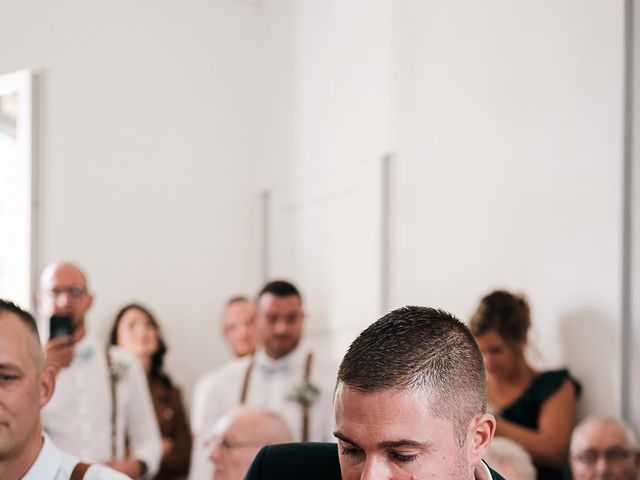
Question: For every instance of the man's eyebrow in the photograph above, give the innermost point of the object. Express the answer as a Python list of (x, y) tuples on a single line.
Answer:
[(342, 437), (388, 444), (10, 367), (403, 443)]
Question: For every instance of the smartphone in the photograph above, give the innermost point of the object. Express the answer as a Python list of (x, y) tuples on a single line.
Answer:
[(60, 326)]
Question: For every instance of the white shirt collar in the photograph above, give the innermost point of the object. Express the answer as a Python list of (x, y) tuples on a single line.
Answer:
[(292, 357), (47, 463), (482, 471)]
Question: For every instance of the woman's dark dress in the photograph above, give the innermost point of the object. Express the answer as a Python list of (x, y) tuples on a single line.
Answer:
[(526, 409)]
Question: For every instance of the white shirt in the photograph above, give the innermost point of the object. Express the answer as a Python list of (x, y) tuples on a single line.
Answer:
[(271, 382), (78, 416), (54, 464)]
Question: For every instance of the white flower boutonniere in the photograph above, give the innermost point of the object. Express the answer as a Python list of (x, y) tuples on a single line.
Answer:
[(305, 394), (119, 371)]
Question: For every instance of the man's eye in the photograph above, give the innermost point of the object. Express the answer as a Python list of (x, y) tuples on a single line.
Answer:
[(350, 451), (404, 458), (7, 378)]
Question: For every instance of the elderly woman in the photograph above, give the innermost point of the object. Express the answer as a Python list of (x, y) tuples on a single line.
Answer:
[(136, 330), (535, 409)]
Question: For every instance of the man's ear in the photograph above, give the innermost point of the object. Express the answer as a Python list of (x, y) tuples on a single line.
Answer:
[(481, 432), (47, 385), (90, 300)]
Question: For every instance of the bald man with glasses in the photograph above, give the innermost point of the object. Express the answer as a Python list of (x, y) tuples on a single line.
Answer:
[(102, 398), (604, 448)]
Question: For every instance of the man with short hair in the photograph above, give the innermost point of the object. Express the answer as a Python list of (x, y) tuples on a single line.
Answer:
[(604, 448), (410, 403), (282, 376), (239, 325), (239, 434), (102, 395), (26, 385)]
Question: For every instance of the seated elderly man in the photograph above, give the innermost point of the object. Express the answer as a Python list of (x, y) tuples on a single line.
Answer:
[(237, 437), (604, 448), (510, 459), (26, 385), (410, 403)]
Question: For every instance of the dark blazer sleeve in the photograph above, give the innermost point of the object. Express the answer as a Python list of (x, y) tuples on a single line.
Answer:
[(255, 470), (296, 461), (495, 475)]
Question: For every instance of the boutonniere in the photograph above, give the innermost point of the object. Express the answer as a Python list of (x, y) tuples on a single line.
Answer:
[(119, 371), (305, 394)]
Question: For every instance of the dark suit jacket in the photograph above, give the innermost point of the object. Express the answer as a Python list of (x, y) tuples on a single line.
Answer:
[(301, 461)]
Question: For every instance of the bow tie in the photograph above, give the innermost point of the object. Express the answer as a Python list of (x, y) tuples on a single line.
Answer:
[(85, 353), (270, 368)]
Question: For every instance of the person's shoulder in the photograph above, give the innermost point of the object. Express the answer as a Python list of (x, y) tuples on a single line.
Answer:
[(495, 475), (219, 376), (102, 472), (289, 461), (119, 354), (550, 381), (94, 472), (323, 367)]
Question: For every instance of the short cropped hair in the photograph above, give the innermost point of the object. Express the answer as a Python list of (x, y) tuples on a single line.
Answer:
[(28, 321), (280, 288), (25, 317), (421, 349)]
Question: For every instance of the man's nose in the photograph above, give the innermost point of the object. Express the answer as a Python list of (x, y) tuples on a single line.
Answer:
[(214, 454), (376, 469), (281, 328), (62, 300), (602, 466)]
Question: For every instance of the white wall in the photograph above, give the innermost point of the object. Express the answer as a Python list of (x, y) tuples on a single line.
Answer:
[(511, 146), (147, 119), (505, 118), (162, 121)]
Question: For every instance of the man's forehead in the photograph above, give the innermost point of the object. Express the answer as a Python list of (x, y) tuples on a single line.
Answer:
[(240, 308), (238, 422), (601, 433), (14, 340), (269, 301), (64, 274), (390, 413)]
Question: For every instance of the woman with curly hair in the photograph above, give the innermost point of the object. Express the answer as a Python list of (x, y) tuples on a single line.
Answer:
[(535, 409)]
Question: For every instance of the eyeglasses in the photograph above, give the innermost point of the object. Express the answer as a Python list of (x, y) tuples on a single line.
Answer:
[(74, 291), (230, 443), (611, 455)]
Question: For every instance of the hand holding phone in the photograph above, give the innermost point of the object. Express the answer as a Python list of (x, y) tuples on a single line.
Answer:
[(60, 326), (59, 349)]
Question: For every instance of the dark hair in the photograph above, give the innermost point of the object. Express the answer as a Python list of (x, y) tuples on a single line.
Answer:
[(8, 307), (280, 288), (506, 313), (421, 348), (25, 317), (157, 359)]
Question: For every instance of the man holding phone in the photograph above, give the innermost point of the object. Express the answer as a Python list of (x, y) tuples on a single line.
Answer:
[(102, 395)]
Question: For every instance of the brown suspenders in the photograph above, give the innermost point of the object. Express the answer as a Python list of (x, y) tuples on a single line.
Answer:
[(79, 471), (305, 408), (114, 404), (245, 382)]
